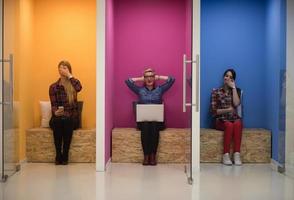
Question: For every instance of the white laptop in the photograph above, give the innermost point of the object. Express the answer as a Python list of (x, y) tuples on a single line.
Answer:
[(150, 112)]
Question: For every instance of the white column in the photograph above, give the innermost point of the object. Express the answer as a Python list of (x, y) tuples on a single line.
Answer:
[(196, 83), (100, 86)]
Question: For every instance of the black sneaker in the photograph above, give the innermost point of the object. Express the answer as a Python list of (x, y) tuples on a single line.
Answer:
[(58, 162), (64, 162)]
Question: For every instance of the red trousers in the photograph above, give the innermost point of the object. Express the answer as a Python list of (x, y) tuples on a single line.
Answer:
[(231, 130)]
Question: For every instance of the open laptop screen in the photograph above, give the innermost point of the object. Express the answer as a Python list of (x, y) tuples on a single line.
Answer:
[(150, 112)]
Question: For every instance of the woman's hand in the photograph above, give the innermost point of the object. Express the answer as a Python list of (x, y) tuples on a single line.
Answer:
[(65, 72), (59, 112), (159, 77), (231, 109), (138, 79), (231, 84)]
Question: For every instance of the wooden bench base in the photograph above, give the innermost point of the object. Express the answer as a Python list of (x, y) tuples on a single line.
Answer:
[(40, 145), (126, 146), (174, 145)]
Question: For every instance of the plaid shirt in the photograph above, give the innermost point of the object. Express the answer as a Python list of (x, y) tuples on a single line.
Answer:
[(58, 97), (222, 100)]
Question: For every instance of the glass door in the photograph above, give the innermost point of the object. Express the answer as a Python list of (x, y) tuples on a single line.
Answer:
[(9, 133), (1, 66), (187, 108), (191, 92), (289, 140)]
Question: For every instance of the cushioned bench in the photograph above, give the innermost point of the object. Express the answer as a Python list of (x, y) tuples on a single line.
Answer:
[(40, 145), (174, 145)]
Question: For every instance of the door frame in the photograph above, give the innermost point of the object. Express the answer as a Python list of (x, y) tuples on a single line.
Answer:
[(100, 86), (289, 153), (1, 65), (196, 84), (100, 83)]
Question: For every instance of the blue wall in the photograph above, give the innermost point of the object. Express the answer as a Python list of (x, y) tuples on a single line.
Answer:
[(233, 35), (249, 36), (276, 64)]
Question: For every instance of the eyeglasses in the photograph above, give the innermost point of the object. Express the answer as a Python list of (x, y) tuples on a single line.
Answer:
[(150, 76)]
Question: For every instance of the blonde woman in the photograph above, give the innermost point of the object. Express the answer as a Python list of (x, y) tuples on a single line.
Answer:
[(63, 97), (150, 94)]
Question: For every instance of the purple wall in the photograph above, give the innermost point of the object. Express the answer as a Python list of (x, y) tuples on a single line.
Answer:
[(149, 33), (109, 119)]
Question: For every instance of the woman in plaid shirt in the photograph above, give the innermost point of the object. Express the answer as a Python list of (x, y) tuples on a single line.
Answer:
[(224, 102), (63, 97)]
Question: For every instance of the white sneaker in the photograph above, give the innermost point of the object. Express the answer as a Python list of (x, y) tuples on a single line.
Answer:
[(237, 159), (227, 159)]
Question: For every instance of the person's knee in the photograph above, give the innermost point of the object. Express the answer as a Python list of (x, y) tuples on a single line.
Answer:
[(238, 123), (145, 124), (154, 124), (56, 123), (229, 125)]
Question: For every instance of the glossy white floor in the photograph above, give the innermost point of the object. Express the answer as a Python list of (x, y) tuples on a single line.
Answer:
[(135, 182)]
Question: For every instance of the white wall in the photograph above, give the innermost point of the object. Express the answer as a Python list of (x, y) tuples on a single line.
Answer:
[(290, 90)]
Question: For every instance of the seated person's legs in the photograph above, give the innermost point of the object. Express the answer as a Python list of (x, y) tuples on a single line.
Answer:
[(67, 136), (237, 135), (145, 128), (56, 125), (228, 128)]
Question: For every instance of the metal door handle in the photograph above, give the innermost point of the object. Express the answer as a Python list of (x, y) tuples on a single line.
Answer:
[(197, 81), (5, 103), (10, 61), (184, 83), (185, 62)]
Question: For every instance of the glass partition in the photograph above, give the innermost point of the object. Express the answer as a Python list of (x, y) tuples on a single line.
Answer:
[(289, 139), (9, 124)]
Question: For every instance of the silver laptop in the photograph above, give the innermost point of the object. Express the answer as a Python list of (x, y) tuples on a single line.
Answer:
[(150, 112)]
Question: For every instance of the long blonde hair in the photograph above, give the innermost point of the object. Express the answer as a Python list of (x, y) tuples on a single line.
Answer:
[(69, 89)]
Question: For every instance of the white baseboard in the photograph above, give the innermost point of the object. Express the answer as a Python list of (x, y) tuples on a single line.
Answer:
[(275, 165), (22, 163), (108, 164), (289, 171)]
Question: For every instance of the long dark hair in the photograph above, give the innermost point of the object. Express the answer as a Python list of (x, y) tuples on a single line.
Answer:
[(234, 77), (232, 71)]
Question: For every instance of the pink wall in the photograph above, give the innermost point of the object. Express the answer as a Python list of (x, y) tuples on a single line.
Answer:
[(109, 118), (149, 33)]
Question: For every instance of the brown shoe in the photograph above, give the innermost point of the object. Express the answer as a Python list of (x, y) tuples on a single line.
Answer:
[(153, 159), (146, 160)]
